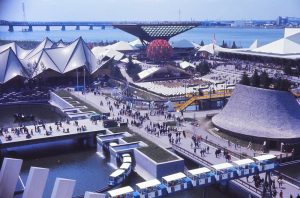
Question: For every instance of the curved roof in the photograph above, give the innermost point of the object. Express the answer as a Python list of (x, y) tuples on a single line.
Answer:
[(11, 66), (261, 113)]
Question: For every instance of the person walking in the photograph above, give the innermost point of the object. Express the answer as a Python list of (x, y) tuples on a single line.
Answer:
[(281, 194)]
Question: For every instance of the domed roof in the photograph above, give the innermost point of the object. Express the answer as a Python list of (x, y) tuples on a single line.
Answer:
[(258, 112)]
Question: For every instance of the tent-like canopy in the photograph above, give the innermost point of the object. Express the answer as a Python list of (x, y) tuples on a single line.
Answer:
[(210, 48), (185, 65), (122, 46), (137, 43), (72, 57), (20, 52), (10, 66), (165, 72), (287, 45), (102, 52), (184, 44), (47, 43)]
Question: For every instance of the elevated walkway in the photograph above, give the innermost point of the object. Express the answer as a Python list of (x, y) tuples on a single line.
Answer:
[(182, 106)]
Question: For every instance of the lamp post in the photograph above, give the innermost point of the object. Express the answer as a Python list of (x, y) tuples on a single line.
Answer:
[(84, 82), (77, 80)]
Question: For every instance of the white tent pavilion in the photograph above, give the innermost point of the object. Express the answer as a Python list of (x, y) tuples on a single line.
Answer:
[(186, 65), (11, 66), (184, 44)]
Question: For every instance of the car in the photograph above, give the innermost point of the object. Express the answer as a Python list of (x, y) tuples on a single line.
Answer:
[(110, 123)]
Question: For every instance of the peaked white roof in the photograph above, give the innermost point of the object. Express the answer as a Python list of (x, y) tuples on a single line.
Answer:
[(73, 56), (254, 45), (122, 46), (286, 45), (289, 44), (147, 72), (20, 52), (137, 43), (210, 48), (184, 44), (186, 64), (126, 60), (101, 52), (46, 43), (11, 66), (60, 43)]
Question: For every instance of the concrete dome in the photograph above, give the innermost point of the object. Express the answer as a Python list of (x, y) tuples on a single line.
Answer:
[(260, 113)]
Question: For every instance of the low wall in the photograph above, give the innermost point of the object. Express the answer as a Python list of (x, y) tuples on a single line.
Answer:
[(59, 102), (158, 170)]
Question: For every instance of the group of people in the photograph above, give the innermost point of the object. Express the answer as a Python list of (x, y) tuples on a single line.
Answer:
[(39, 127)]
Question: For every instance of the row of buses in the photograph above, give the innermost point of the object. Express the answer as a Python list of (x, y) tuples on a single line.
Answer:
[(199, 177)]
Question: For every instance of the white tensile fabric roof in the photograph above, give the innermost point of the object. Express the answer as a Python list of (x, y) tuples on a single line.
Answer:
[(126, 60), (74, 56), (287, 45), (147, 72), (60, 43), (122, 46), (49, 56), (184, 44), (11, 66), (186, 64), (62, 59), (210, 48), (137, 43), (20, 52), (101, 52), (254, 45), (47, 43)]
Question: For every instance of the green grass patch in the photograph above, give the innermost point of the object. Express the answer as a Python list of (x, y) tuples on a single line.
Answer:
[(153, 151), (64, 93)]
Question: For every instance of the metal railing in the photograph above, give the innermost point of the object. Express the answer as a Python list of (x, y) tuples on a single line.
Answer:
[(191, 155), (249, 186)]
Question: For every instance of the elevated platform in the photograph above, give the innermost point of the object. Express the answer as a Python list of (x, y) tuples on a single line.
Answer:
[(54, 135), (182, 106)]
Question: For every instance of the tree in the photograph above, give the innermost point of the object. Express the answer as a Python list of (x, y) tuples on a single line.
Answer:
[(203, 68), (202, 43), (224, 45), (245, 80), (133, 69), (287, 70), (233, 45), (298, 69), (282, 84), (255, 80), (265, 81)]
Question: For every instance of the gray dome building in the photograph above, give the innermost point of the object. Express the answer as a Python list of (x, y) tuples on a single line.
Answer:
[(261, 114)]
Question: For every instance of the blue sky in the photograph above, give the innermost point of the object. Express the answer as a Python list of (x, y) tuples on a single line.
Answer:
[(142, 10)]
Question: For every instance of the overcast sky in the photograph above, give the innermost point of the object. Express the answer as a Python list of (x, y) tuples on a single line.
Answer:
[(147, 10)]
